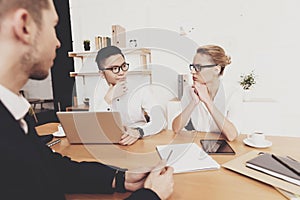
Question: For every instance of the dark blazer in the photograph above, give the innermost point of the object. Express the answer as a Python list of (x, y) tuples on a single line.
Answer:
[(30, 170)]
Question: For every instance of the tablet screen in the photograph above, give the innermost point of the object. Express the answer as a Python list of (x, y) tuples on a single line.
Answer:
[(216, 147)]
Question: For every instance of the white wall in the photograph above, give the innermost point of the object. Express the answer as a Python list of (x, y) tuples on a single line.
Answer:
[(260, 35), (35, 89)]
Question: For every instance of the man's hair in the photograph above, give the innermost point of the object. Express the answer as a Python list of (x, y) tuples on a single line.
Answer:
[(34, 7), (106, 52)]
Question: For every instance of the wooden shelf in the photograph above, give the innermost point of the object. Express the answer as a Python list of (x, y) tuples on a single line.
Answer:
[(81, 54), (142, 72), (141, 51), (74, 74), (259, 100)]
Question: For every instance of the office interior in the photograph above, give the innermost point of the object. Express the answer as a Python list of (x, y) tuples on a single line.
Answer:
[(260, 36)]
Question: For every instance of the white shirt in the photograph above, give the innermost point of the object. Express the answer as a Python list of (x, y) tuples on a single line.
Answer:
[(17, 105), (229, 103), (132, 107)]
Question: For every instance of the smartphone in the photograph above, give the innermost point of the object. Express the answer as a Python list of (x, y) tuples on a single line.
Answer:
[(216, 147)]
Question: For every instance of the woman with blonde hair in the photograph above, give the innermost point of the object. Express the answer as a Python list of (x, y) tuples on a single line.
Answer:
[(206, 106)]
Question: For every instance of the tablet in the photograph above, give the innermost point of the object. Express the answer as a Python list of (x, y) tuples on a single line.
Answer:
[(216, 147)]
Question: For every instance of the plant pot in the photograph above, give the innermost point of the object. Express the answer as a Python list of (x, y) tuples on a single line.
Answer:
[(86, 46)]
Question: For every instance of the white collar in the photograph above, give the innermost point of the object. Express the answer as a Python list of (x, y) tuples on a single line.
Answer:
[(17, 105)]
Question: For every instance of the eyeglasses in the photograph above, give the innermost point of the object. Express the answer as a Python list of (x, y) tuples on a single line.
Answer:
[(198, 68), (116, 69)]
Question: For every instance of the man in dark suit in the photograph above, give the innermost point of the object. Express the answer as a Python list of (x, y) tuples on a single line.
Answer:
[(29, 169)]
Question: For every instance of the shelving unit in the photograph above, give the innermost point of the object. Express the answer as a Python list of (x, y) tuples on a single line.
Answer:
[(142, 52), (74, 74), (165, 88), (86, 71)]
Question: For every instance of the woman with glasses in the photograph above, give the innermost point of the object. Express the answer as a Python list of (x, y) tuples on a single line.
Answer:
[(206, 105), (112, 86)]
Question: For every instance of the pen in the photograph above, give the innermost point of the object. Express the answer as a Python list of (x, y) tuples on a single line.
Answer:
[(50, 144), (169, 155)]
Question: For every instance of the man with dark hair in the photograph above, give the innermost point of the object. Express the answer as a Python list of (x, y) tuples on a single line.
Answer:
[(111, 95), (29, 169), (106, 52)]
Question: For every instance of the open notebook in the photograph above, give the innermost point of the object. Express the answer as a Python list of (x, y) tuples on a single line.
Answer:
[(187, 157)]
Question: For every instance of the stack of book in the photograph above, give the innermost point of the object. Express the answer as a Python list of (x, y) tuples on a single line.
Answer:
[(283, 173), (101, 42), (284, 168), (277, 166)]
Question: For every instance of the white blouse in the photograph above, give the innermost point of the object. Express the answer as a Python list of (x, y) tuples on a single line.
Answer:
[(229, 103)]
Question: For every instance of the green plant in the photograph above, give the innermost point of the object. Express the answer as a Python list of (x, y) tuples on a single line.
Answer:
[(248, 80), (86, 45)]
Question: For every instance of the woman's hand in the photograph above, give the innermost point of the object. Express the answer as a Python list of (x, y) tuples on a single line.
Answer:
[(202, 92), (194, 95)]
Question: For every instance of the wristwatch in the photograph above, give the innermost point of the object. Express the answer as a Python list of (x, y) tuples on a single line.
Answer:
[(120, 180), (141, 131)]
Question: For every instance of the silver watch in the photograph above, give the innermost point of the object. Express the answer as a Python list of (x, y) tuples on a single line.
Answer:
[(141, 131)]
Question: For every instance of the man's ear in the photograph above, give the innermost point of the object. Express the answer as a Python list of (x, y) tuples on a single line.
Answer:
[(24, 26), (101, 73)]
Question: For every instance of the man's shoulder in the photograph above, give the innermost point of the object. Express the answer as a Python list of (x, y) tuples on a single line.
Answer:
[(5, 114)]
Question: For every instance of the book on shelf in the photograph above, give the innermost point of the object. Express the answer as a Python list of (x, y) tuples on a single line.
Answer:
[(269, 164), (187, 157), (101, 42)]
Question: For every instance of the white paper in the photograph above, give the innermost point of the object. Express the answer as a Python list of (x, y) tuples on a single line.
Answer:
[(187, 157)]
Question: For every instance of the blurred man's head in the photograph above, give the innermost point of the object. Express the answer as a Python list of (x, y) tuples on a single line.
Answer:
[(34, 7), (27, 30)]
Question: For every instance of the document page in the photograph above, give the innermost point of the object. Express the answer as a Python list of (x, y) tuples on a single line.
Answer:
[(186, 157)]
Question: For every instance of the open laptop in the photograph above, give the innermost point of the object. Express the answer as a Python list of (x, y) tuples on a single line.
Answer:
[(91, 127)]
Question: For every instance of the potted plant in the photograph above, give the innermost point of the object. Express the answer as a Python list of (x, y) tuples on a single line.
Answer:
[(248, 80), (86, 45)]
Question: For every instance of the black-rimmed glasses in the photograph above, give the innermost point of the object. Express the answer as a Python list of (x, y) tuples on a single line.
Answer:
[(198, 68), (116, 69)]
